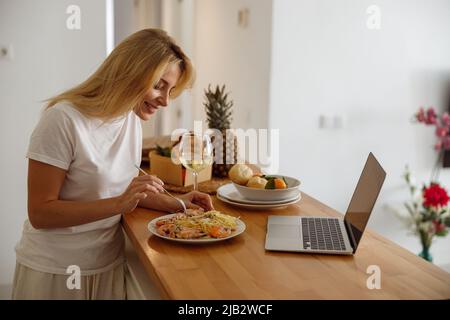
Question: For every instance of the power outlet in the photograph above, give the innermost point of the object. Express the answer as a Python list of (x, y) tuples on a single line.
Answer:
[(329, 121), (325, 121), (339, 121)]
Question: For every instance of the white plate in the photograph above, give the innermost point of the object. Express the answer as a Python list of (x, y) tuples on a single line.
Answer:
[(152, 228), (229, 192), (258, 206)]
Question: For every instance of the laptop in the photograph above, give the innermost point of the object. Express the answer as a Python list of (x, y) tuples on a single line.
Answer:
[(327, 234)]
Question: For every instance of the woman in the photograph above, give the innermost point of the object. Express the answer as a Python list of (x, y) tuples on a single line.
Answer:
[(81, 174)]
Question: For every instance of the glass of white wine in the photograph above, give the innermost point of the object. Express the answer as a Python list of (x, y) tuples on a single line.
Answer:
[(196, 153)]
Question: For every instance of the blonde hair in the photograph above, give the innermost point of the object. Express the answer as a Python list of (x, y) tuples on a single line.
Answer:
[(121, 82)]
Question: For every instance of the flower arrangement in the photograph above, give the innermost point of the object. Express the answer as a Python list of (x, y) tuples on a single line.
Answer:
[(429, 117), (442, 124), (429, 213)]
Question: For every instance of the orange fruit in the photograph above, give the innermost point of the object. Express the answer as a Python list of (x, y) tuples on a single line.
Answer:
[(279, 184)]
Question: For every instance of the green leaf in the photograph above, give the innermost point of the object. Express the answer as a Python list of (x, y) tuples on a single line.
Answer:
[(165, 152), (409, 208), (270, 184), (447, 221)]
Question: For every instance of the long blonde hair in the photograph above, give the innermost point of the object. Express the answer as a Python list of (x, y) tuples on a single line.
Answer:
[(120, 83)]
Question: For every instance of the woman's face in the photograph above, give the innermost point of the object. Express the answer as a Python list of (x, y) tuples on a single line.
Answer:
[(158, 96)]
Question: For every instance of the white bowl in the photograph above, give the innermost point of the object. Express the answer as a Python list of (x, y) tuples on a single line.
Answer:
[(271, 194)]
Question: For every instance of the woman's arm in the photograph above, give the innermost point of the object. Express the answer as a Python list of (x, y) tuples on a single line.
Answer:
[(162, 202), (46, 211)]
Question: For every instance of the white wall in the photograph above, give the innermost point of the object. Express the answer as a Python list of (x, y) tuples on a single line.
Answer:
[(326, 61), (124, 20), (226, 53), (177, 21), (48, 58), (129, 17)]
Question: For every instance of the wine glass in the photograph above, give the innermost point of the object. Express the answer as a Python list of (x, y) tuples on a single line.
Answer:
[(196, 153)]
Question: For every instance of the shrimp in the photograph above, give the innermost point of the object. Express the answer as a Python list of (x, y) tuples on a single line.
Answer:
[(194, 212), (219, 232), (190, 233), (161, 222), (170, 220), (167, 230)]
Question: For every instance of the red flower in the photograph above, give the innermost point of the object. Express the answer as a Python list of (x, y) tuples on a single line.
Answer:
[(445, 119), (438, 146), (435, 196), (446, 142), (420, 116), (431, 116), (441, 131)]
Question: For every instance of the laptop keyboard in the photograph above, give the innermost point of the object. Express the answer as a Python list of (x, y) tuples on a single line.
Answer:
[(322, 234)]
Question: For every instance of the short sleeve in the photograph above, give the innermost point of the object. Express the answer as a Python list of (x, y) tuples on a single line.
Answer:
[(52, 141), (138, 138)]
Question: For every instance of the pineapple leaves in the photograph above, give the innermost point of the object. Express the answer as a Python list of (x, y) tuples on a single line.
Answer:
[(218, 108)]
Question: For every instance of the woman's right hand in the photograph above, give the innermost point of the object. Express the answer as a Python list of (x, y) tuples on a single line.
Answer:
[(136, 191)]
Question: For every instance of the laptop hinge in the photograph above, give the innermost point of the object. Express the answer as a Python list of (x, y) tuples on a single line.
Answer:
[(350, 235)]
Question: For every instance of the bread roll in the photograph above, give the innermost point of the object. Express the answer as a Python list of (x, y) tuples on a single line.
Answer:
[(240, 174)]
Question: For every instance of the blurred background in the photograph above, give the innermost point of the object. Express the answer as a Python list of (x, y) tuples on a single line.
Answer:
[(339, 79)]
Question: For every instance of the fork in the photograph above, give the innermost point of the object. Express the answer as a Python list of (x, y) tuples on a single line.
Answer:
[(179, 200)]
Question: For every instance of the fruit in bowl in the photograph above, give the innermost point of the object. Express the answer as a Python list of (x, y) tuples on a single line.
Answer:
[(263, 187), (257, 182), (275, 182)]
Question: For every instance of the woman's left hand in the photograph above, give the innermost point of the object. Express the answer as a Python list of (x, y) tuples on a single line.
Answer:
[(196, 199)]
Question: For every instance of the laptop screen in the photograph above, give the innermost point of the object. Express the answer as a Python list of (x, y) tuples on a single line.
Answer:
[(363, 199)]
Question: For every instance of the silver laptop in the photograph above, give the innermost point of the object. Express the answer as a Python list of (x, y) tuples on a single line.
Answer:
[(327, 234)]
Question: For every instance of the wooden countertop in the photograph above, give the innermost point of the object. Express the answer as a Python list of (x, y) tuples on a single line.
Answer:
[(240, 268)]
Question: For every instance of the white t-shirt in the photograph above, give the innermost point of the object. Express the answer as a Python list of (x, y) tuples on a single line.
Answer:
[(99, 159)]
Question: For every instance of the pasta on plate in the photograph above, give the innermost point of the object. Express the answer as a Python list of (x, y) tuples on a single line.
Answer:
[(197, 224)]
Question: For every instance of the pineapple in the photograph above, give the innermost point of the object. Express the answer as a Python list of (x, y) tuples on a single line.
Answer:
[(218, 113)]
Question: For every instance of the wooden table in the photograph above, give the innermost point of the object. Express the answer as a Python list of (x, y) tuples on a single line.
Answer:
[(240, 268)]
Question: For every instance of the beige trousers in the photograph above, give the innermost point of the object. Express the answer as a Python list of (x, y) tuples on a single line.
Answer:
[(31, 284)]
